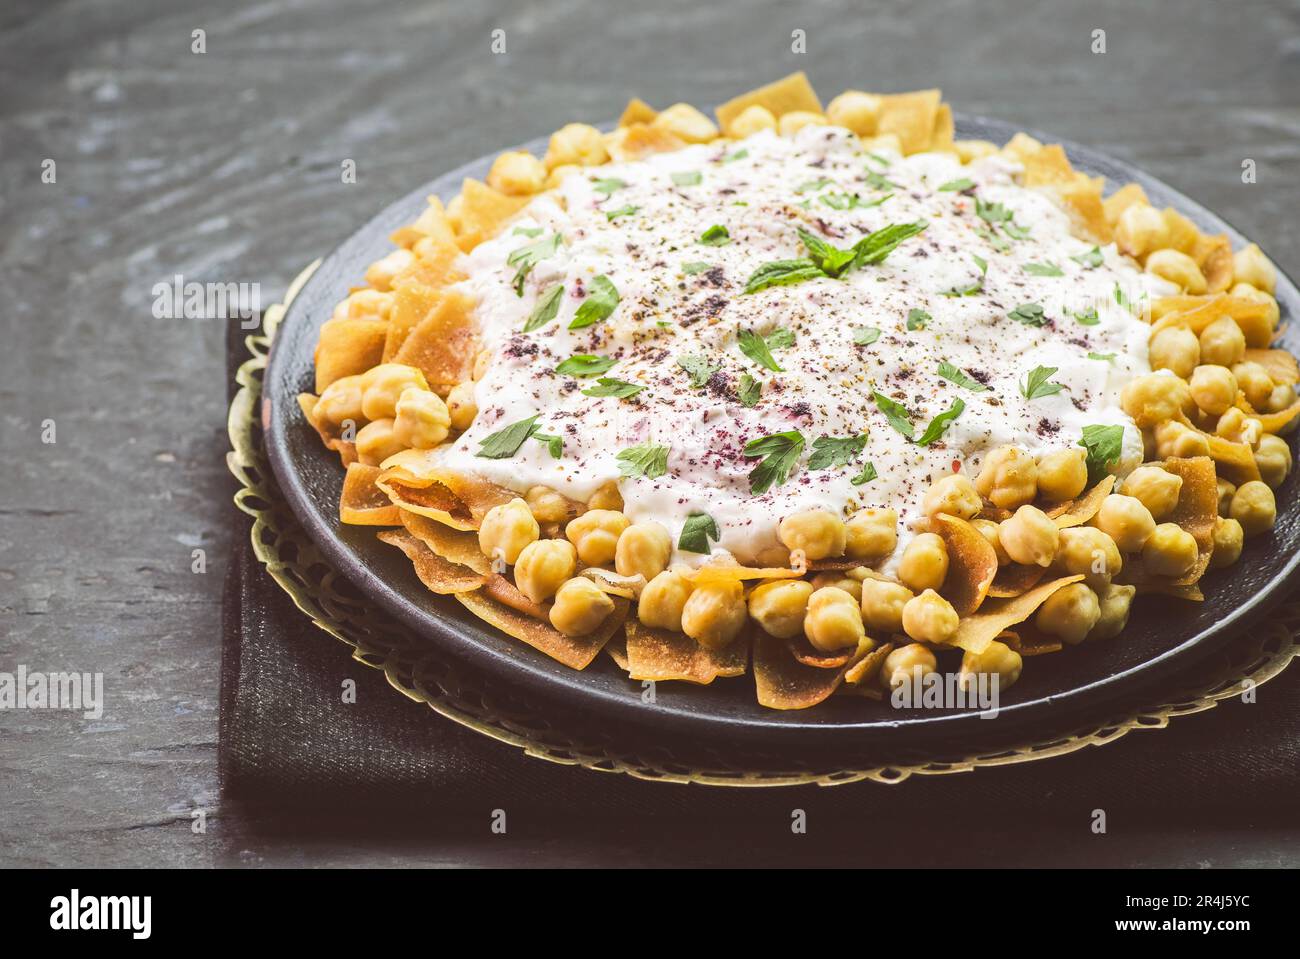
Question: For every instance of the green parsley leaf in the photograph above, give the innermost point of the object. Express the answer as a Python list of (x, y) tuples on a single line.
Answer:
[(865, 335), (528, 256), (585, 364), (1042, 269), (608, 186), (1104, 444), (896, 413), (1087, 317), (874, 247), (548, 305), (812, 186), (996, 241), (957, 186), (780, 338), (878, 182), (917, 318), (733, 157), (688, 178), (755, 347), (505, 443), (941, 423), (554, 444), (612, 215), (780, 453), (1037, 385), (978, 285), (698, 529), (993, 213), (1015, 231), (851, 201), (695, 266), (832, 451), (1090, 260), (602, 298), (867, 475), (1030, 314), (716, 235), (611, 386), (750, 390), (645, 459), (529, 231), (957, 375), (699, 366), (782, 273)]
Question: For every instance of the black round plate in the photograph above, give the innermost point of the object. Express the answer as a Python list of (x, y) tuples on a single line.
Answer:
[(1163, 635)]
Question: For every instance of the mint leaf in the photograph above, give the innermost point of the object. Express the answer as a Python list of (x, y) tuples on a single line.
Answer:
[(698, 529), (1087, 317), (700, 368), (1038, 384), (1090, 260), (716, 235), (695, 266), (612, 215), (608, 186), (978, 285), (782, 273), (941, 423), (554, 444), (1105, 357), (867, 475), (916, 319), (833, 451), (611, 386), (688, 178), (896, 413), (505, 443), (585, 364), (1042, 269), (528, 256), (1104, 444), (1030, 314), (602, 298), (865, 335), (957, 375), (548, 305), (957, 186), (750, 390), (755, 347)]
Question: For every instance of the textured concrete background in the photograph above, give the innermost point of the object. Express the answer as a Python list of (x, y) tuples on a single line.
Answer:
[(224, 166)]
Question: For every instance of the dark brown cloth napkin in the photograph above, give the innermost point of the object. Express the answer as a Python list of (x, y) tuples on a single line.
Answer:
[(288, 738)]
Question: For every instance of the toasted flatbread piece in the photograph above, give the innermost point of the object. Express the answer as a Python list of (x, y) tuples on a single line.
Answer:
[(656, 654), (362, 502), (576, 652), (975, 632), (972, 563), (787, 95), (437, 574)]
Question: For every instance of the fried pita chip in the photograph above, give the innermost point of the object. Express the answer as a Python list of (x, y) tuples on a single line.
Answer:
[(1033, 643), (576, 652), (1078, 511), (788, 95), (444, 344), (617, 649), (861, 679), (435, 266), (328, 433), (1213, 254), (454, 545), (412, 303), (414, 480), (657, 654), (348, 347), (1197, 312), (1190, 593), (738, 574), (362, 503), (783, 682), (1234, 461), (1272, 422), (432, 222), (1081, 198), (1183, 233), (912, 117), (1197, 512), (975, 632), (637, 111), (1280, 365), (1049, 164), (808, 654), (972, 563), (1123, 198), (480, 211), (640, 140), (437, 574), (1014, 579)]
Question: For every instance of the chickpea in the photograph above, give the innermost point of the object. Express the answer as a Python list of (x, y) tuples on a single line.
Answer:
[(714, 614), (1250, 265), (1116, 601), (1062, 475), (751, 120), (1008, 477), (506, 530), (365, 304), (1254, 507), (576, 144), (871, 534), (1088, 551), (1169, 551), (1255, 382), (998, 660), (840, 581), (955, 495), (1157, 488), (422, 421), (1271, 312), (595, 533), (882, 605), (1273, 457), (779, 607), (1175, 439), (925, 563), (1030, 537), (546, 504), (859, 112), (906, 662), (382, 272), (929, 618), (1281, 398), (1175, 348), (1178, 268), (1126, 520), (462, 406), (516, 173), (818, 532), (1155, 398), (1226, 490), (1223, 343), (989, 530), (543, 566), (580, 607), (376, 441), (383, 385), (1140, 230), (687, 123), (791, 123), (833, 620), (1228, 541), (662, 601), (643, 548), (607, 497), (340, 401), (1069, 614), (1213, 389)]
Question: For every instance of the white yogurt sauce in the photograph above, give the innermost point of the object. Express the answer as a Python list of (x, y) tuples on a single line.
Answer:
[(761, 189)]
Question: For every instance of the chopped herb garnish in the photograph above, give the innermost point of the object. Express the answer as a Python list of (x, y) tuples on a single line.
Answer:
[(1104, 444), (698, 529), (851, 201), (780, 452), (602, 298), (941, 423), (738, 155), (529, 231), (780, 338), (1015, 232), (812, 186), (611, 386), (917, 319), (585, 364), (878, 182), (1030, 314), (829, 452), (528, 256), (1087, 317), (978, 285), (957, 186), (867, 475), (1104, 357), (716, 235), (645, 459), (996, 241), (695, 266), (1038, 384), (699, 366), (1090, 260), (688, 178), (1042, 269), (750, 390), (756, 348), (608, 186), (553, 444), (782, 273), (994, 213), (957, 375), (865, 335), (548, 305), (613, 215), (883, 161), (505, 443), (896, 413)]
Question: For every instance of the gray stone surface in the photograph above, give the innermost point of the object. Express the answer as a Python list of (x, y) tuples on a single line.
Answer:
[(224, 166)]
